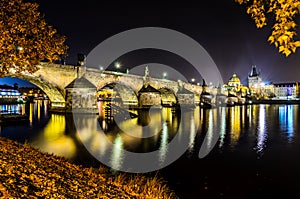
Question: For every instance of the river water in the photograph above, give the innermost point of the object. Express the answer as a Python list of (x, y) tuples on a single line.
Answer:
[(257, 153)]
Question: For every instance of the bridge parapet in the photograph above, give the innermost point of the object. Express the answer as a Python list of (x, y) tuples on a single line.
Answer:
[(58, 75)]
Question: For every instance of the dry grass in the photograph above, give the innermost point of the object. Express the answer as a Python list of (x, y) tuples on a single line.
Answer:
[(27, 173)]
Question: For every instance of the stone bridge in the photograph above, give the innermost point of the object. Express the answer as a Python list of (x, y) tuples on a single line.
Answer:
[(55, 80)]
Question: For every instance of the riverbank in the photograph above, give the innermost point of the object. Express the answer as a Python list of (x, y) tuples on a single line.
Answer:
[(277, 101), (26, 172)]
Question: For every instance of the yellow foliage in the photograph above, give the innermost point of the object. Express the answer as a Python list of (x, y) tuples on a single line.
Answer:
[(26, 39), (284, 30)]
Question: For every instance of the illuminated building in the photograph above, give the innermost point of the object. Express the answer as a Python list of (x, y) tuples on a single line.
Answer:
[(9, 94), (254, 82), (234, 83), (286, 90), (258, 88), (236, 91), (254, 79), (235, 87), (267, 90), (33, 93)]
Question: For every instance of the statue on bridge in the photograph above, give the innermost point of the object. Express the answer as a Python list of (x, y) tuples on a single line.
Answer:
[(147, 71), (146, 77)]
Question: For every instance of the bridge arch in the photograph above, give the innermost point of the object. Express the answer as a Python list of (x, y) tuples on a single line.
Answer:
[(54, 94), (168, 97), (122, 91), (107, 77)]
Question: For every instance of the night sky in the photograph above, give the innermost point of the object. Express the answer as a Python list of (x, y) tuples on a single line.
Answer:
[(222, 27)]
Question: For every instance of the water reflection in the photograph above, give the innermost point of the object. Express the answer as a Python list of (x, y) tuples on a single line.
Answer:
[(117, 155), (222, 115), (286, 121), (31, 113), (262, 129), (235, 124), (163, 144), (210, 129), (53, 138), (12, 108), (239, 127), (193, 131)]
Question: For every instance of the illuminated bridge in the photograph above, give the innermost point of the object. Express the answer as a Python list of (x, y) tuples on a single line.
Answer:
[(78, 87)]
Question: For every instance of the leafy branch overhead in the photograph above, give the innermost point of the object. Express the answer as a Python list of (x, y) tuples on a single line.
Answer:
[(284, 29), (26, 38)]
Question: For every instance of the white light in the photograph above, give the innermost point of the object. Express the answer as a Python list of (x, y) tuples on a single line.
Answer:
[(117, 65), (19, 48)]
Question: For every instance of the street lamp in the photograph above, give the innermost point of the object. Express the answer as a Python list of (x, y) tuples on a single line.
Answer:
[(164, 75), (19, 48), (118, 65), (193, 80)]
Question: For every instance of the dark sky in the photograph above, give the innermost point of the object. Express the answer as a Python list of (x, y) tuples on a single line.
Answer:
[(222, 27)]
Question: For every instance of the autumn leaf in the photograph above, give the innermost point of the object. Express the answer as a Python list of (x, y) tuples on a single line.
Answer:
[(26, 38), (285, 27)]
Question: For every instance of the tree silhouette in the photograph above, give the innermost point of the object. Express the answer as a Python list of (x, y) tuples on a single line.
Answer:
[(283, 34), (26, 38)]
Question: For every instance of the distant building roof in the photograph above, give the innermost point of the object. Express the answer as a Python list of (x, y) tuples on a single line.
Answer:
[(289, 84), (234, 79), (203, 83), (81, 82), (254, 72)]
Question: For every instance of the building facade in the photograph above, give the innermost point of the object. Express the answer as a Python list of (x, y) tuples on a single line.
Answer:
[(254, 80), (286, 90), (235, 87)]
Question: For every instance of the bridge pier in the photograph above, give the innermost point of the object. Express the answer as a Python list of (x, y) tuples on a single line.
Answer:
[(81, 96)]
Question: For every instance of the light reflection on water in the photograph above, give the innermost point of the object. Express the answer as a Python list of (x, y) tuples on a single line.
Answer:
[(258, 123), (235, 125), (286, 115), (262, 129), (52, 138), (222, 114)]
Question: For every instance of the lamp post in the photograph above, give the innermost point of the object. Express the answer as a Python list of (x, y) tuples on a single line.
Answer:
[(164, 75), (193, 80), (19, 48), (118, 66)]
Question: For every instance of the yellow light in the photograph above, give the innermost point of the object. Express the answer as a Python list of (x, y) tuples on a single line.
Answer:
[(117, 65), (53, 138), (117, 155), (165, 74)]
